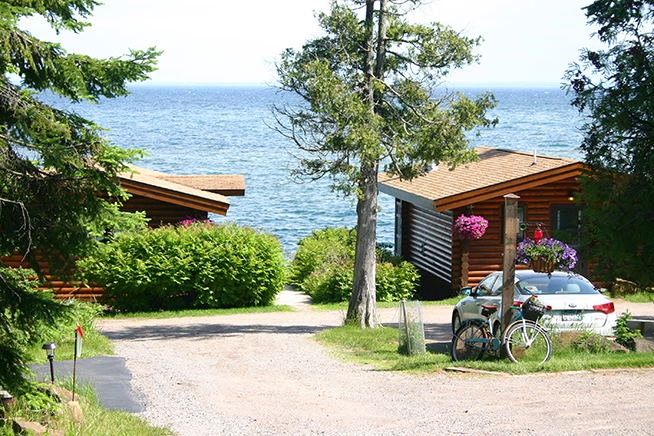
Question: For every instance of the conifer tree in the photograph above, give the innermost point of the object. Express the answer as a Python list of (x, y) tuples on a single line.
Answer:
[(370, 100), (57, 174), (614, 88)]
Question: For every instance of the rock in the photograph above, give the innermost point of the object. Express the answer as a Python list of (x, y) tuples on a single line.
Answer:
[(24, 427), (33, 428), (75, 411), (63, 395), (618, 348), (640, 345), (565, 339), (595, 343)]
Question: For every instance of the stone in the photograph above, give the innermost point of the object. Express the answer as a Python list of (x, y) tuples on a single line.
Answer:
[(640, 345), (75, 411), (616, 347), (62, 394), (596, 343), (34, 428)]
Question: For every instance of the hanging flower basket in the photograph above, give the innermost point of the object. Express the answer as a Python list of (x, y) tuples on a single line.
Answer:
[(542, 266), (470, 227), (546, 255)]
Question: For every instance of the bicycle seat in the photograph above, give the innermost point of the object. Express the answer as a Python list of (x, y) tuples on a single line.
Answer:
[(488, 310)]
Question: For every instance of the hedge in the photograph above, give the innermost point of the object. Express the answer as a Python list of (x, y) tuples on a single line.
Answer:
[(193, 265)]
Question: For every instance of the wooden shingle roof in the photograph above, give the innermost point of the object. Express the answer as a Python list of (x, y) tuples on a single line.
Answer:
[(205, 193), (497, 173)]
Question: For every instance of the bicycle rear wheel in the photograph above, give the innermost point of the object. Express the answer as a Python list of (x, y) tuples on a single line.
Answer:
[(526, 341), (466, 344)]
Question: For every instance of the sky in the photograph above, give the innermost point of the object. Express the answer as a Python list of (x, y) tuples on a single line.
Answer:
[(230, 41)]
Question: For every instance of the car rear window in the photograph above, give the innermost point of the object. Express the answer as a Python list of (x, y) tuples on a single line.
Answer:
[(542, 285)]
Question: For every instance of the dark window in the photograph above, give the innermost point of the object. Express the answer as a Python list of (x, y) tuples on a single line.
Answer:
[(566, 223)]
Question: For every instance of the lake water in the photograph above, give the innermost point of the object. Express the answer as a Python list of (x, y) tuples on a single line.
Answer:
[(202, 129)]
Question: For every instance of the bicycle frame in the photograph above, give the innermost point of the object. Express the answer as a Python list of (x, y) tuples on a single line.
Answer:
[(493, 343)]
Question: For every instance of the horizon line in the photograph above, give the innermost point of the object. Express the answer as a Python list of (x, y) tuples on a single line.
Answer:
[(525, 84)]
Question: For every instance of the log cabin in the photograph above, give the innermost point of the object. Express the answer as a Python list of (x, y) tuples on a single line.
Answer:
[(426, 207), (166, 199)]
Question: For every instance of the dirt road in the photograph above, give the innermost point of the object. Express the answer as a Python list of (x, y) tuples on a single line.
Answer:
[(263, 374)]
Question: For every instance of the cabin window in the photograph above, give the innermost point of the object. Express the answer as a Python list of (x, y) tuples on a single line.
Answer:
[(566, 223)]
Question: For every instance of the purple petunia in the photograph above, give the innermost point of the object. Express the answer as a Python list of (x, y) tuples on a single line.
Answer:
[(549, 250)]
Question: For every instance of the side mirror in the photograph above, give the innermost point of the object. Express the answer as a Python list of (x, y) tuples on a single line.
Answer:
[(466, 291)]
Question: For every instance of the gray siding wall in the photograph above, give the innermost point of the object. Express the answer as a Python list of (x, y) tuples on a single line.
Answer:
[(424, 238)]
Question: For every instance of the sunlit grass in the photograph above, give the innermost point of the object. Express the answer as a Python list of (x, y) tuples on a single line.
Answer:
[(324, 307), (97, 421), (640, 297), (198, 312), (379, 347)]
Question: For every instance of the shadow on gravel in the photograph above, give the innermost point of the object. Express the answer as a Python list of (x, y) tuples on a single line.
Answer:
[(204, 331)]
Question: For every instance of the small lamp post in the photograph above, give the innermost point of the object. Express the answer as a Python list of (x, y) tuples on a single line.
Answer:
[(49, 347)]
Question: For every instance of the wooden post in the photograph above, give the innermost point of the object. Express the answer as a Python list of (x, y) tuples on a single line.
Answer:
[(510, 240), (465, 262)]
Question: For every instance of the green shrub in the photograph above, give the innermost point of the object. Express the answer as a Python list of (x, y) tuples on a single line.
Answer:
[(324, 247), (195, 265), (324, 268), (622, 332)]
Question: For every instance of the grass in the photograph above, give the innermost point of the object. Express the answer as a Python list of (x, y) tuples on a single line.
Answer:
[(379, 347), (197, 312), (640, 297), (324, 307), (97, 421)]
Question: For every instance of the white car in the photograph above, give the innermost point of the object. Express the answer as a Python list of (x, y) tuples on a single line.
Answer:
[(574, 304)]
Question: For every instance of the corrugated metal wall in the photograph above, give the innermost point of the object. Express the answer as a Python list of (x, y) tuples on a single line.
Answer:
[(424, 238)]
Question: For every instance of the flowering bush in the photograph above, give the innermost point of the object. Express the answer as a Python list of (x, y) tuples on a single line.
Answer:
[(193, 222), (470, 227), (549, 250)]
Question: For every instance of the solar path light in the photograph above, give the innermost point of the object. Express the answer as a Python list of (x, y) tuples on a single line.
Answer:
[(49, 347)]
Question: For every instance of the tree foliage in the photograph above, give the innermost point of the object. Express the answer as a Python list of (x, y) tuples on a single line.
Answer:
[(615, 89), (57, 173), (370, 97)]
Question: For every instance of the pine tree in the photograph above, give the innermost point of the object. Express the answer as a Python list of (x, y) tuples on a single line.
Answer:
[(614, 88), (370, 100), (57, 174)]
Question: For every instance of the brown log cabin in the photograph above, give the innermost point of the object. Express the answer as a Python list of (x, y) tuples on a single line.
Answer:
[(166, 199), (426, 208)]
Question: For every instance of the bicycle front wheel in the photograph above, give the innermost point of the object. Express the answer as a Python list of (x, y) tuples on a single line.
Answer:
[(526, 341), (469, 342)]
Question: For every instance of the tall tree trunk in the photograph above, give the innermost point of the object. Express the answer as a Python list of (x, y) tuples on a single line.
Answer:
[(363, 304)]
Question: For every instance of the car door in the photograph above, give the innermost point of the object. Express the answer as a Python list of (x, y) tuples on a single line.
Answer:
[(483, 294)]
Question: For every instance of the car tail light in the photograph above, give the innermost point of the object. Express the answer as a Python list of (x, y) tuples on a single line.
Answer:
[(606, 307), (517, 303)]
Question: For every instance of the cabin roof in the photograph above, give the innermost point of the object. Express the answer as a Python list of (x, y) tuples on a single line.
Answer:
[(202, 192), (497, 173)]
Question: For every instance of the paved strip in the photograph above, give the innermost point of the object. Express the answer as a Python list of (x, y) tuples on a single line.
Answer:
[(108, 375)]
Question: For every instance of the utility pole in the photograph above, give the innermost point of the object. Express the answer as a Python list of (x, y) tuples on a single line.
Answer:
[(510, 241)]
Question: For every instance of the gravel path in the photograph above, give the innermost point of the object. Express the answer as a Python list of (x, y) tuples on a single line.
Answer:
[(263, 374)]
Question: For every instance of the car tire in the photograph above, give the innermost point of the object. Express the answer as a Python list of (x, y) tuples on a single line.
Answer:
[(456, 321)]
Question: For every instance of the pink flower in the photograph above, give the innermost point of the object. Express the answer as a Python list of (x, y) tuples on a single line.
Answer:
[(470, 227)]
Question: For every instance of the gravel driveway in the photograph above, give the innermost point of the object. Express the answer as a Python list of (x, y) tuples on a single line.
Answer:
[(263, 374)]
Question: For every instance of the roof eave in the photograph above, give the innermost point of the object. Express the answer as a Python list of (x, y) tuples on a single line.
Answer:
[(501, 189), (208, 202)]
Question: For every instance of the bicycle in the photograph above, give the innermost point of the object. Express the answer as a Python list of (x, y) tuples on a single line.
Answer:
[(524, 340)]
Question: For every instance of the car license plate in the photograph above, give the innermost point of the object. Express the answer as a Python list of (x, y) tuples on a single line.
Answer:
[(572, 315)]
